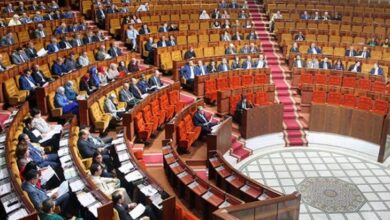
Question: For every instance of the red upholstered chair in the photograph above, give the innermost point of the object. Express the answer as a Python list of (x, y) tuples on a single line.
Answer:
[(211, 90), (189, 216), (305, 79), (381, 107), (364, 84), (222, 84), (260, 79), (150, 118), (319, 97), (187, 132), (349, 100), (168, 108), (142, 129), (261, 98), (157, 111), (247, 80), (178, 212), (379, 86), (349, 82), (250, 97), (335, 98), (234, 99), (334, 80), (364, 103), (321, 79), (235, 82), (174, 99), (191, 127)]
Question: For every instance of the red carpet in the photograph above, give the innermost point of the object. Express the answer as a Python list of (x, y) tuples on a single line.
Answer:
[(153, 159), (187, 100), (291, 123), (3, 118), (238, 149)]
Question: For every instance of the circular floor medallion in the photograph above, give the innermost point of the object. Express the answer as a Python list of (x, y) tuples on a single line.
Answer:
[(331, 194)]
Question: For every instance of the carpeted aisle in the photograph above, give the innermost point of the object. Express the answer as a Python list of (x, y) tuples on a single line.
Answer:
[(293, 130)]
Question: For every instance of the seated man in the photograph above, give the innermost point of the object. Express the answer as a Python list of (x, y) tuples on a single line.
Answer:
[(59, 67), (135, 90), (261, 62), (231, 49), (19, 56), (313, 63), (38, 155), (242, 105), (37, 137), (163, 28), (188, 73), (126, 96), (376, 70), (7, 40), (61, 101), (53, 47), (200, 119), (298, 62), (111, 108), (253, 48), (325, 64), (163, 42), (144, 86), (299, 37), (305, 16), (88, 145), (356, 68), (38, 196), (313, 49), (155, 81), (62, 29), (40, 32), (102, 54), (351, 52), (294, 48), (65, 43), (248, 63), (190, 54), (114, 51), (26, 82), (39, 77), (364, 53), (202, 69), (123, 208), (30, 50), (83, 59), (223, 66), (236, 63)]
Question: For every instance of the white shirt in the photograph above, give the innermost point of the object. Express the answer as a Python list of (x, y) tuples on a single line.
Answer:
[(142, 8), (41, 125)]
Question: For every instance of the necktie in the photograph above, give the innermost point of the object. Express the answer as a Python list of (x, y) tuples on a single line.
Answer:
[(364, 54), (192, 72), (22, 59), (204, 118), (173, 43), (78, 42), (155, 81), (350, 53), (325, 65), (67, 44), (115, 53)]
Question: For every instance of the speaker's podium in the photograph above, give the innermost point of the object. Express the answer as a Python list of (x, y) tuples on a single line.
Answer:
[(261, 120)]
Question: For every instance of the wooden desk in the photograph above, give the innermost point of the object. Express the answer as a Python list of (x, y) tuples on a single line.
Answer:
[(262, 120), (220, 138), (346, 121)]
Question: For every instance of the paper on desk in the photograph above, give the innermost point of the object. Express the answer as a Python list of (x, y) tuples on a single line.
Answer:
[(70, 173), (4, 173), (121, 147), (148, 190), (94, 207), (224, 205), (133, 176), (64, 142), (207, 195), (156, 200), (137, 211), (5, 188), (2, 158), (11, 202), (64, 159), (63, 151), (2, 138), (85, 199), (125, 168), (47, 174), (36, 132), (42, 52), (123, 156), (18, 214), (118, 141), (61, 190), (77, 185)]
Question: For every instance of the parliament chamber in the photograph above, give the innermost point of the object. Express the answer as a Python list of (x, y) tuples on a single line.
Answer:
[(196, 109)]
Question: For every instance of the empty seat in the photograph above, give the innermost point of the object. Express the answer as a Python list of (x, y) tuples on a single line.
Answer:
[(174, 99), (305, 79), (260, 79), (380, 107), (165, 106), (261, 98), (334, 98), (211, 90), (247, 80), (150, 118), (319, 97), (349, 100), (143, 129), (100, 120), (235, 82), (364, 103), (12, 94), (349, 82), (222, 84)]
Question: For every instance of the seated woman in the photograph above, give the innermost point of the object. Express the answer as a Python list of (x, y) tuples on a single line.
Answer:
[(70, 93), (122, 69), (97, 158), (44, 139), (43, 127), (338, 65), (113, 72), (85, 84), (102, 73), (61, 101)]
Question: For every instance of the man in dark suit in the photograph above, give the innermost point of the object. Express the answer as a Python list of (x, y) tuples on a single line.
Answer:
[(238, 36), (244, 49), (201, 120), (242, 105), (230, 49), (202, 69), (112, 9), (49, 16), (38, 196), (88, 145), (325, 64), (53, 47), (150, 47), (114, 51), (126, 96), (188, 73), (65, 43), (39, 77), (30, 50), (77, 41), (62, 29), (377, 70), (365, 53), (299, 37), (19, 57), (298, 62), (124, 209), (356, 68), (248, 63), (351, 52), (172, 41), (40, 32), (7, 40), (144, 86), (100, 16), (163, 28), (236, 63), (305, 16), (133, 65), (8, 9), (294, 48), (58, 67), (190, 54), (251, 36), (26, 82), (135, 90), (36, 137), (144, 29), (223, 66), (70, 62), (155, 81), (163, 42), (314, 49), (89, 38)]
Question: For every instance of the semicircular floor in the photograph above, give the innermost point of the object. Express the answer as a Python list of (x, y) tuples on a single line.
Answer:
[(290, 169)]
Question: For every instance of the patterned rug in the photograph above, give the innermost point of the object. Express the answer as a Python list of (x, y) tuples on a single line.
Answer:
[(331, 194)]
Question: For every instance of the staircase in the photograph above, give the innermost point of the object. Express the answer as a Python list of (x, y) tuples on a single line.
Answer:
[(294, 134), (238, 150)]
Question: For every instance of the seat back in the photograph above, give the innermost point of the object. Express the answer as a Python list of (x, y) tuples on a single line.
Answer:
[(364, 103), (319, 97), (261, 98), (349, 100), (222, 84), (260, 79), (334, 98), (247, 80)]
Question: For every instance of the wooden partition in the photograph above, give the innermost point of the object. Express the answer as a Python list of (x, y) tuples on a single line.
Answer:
[(223, 97), (346, 121), (285, 207), (220, 137), (262, 120), (233, 181)]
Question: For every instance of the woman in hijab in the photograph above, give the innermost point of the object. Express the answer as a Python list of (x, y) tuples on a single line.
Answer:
[(85, 84), (102, 73)]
